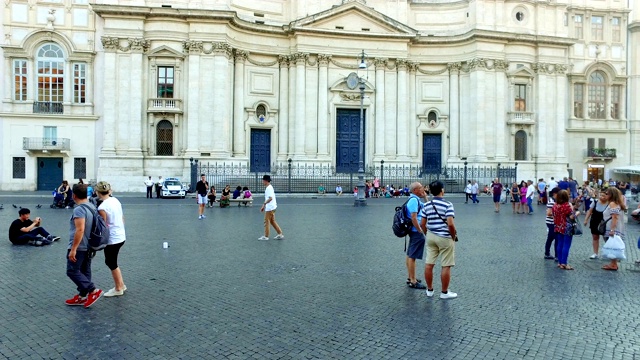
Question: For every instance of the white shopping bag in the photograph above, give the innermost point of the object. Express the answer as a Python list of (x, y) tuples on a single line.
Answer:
[(614, 248)]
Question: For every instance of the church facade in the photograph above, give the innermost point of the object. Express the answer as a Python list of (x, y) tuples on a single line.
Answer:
[(120, 90)]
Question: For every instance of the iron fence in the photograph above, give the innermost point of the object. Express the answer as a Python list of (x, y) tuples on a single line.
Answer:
[(307, 178)]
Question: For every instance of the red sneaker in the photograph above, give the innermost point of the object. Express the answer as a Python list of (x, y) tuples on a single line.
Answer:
[(92, 297), (76, 301)]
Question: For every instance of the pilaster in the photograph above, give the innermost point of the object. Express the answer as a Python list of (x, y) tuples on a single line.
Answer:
[(323, 105), (380, 65), (239, 131), (300, 59), (402, 139), (454, 111), (283, 119)]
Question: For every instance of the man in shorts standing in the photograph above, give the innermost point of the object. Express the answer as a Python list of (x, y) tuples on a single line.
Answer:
[(416, 236), (496, 190), (437, 222), (269, 209), (202, 187), (78, 254)]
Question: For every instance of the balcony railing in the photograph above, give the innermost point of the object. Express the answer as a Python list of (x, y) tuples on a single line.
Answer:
[(165, 105), (520, 117), (41, 107), (602, 153), (49, 144)]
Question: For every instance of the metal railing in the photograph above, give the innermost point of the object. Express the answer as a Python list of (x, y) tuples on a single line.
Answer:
[(601, 153), (165, 104), (305, 178), (521, 116), (57, 144), (42, 107)]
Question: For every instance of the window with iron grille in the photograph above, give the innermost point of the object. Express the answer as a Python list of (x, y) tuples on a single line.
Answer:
[(520, 145), (164, 138), (597, 26), (79, 83), (597, 90), (19, 168), (80, 168), (520, 97), (578, 100), (578, 26), (20, 78), (165, 82)]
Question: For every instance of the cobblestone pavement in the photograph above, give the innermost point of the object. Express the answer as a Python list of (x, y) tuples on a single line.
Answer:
[(333, 289)]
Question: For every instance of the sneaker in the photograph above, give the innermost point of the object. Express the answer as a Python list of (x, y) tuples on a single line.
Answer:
[(429, 293), (203, 216), (593, 257), (113, 292), (200, 217), (448, 295), (93, 297), (76, 300), (279, 237), (263, 238), (53, 238), (549, 257)]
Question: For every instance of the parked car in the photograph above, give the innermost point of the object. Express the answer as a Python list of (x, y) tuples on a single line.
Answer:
[(172, 187)]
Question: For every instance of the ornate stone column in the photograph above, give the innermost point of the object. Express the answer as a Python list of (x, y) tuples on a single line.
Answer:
[(478, 104), (454, 110), (221, 110), (239, 131), (380, 65), (311, 108), (194, 48), (300, 60), (323, 105), (110, 45), (402, 110), (283, 119)]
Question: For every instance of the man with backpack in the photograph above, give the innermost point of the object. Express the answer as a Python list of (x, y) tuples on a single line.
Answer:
[(79, 253), (416, 235)]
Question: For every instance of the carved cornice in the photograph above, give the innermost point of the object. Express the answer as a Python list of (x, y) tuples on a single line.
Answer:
[(112, 44), (324, 59), (240, 55), (548, 68)]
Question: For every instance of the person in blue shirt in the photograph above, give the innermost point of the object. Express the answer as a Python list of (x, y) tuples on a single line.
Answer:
[(416, 236)]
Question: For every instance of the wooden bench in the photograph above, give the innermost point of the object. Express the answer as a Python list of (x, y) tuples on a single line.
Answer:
[(249, 201)]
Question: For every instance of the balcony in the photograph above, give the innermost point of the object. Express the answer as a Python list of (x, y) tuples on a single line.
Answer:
[(601, 153), (46, 144), (166, 105), (42, 107), (520, 117)]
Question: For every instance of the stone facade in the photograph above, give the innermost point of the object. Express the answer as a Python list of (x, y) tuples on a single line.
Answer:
[(548, 85)]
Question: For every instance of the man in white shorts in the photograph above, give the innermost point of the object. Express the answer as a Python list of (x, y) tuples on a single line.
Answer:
[(202, 187)]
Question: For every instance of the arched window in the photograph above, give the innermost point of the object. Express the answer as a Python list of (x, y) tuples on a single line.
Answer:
[(164, 138), (521, 145), (50, 67), (597, 99)]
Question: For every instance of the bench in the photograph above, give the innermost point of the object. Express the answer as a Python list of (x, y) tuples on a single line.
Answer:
[(249, 201)]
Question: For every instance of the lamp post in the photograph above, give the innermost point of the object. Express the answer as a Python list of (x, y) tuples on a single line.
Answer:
[(361, 200)]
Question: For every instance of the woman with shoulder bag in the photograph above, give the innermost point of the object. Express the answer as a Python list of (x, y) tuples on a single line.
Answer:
[(613, 215), (594, 216), (562, 213), (515, 197)]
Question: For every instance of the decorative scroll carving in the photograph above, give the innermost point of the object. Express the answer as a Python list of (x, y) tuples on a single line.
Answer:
[(350, 96), (547, 68), (324, 59), (133, 44), (240, 55), (345, 66), (262, 63)]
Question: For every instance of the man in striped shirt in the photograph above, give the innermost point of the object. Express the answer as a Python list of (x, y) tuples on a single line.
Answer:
[(551, 234), (437, 218)]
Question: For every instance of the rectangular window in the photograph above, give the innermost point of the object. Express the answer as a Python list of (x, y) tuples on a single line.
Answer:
[(79, 83), (165, 82), (615, 29), (615, 101), (597, 101), (19, 168), (80, 168), (50, 133), (578, 26), (597, 26), (591, 144), (520, 97), (578, 100), (50, 81), (602, 143), (20, 80), (565, 19)]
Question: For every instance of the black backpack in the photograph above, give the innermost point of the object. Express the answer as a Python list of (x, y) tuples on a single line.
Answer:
[(99, 235), (401, 223)]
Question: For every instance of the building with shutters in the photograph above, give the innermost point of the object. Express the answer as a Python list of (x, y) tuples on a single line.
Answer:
[(119, 90)]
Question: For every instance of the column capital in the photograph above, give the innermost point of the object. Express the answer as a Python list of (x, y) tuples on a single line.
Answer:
[(140, 45), (401, 64), (133, 44), (110, 44), (284, 60), (299, 58), (324, 59), (413, 66), (192, 46), (502, 65), (454, 67), (240, 55), (380, 63), (221, 48)]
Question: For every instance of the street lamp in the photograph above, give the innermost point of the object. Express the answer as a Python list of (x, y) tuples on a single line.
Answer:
[(361, 199)]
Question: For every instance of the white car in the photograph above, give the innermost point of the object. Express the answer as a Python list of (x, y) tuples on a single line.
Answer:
[(172, 187)]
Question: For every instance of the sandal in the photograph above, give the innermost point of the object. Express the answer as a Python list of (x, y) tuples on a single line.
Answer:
[(609, 268), (416, 285), (409, 281), (567, 267)]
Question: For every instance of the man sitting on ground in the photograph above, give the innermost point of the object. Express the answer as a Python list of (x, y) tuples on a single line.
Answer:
[(338, 190), (23, 231), (321, 190)]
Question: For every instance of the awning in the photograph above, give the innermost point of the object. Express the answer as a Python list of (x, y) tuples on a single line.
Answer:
[(632, 170)]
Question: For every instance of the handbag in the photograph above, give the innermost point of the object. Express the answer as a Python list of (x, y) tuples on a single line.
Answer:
[(573, 227), (441, 218), (602, 226)]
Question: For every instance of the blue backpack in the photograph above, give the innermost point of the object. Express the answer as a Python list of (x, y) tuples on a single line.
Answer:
[(99, 235)]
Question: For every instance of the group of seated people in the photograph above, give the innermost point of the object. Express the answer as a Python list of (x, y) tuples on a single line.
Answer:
[(239, 193), (62, 196), (388, 191)]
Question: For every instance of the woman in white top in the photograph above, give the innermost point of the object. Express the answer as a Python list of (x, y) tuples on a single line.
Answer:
[(613, 215), (111, 211)]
